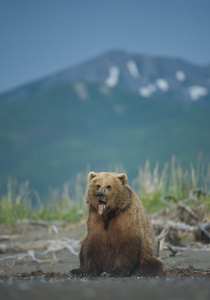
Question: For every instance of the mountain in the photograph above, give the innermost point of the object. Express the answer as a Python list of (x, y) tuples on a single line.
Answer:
[(116, 109), (51, 135), (146, 75)]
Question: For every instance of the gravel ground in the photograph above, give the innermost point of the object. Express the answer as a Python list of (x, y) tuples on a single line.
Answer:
[(168, 288), (187, 273)]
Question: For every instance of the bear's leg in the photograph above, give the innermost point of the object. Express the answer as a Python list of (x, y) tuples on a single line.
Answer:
[(150, 267), (89, 261), (127, 258), (80, 272)]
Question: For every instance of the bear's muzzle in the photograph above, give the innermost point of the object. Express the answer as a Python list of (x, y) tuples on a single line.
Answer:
[(102, 200), (100, 196)]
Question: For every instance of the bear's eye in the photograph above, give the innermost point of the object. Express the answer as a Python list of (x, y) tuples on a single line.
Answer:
[(98, 186), (108, 187)]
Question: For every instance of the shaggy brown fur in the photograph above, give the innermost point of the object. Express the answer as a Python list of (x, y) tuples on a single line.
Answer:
[(120, 238)]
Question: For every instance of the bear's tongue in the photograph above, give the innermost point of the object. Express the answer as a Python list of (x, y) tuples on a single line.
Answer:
[(101, 208)]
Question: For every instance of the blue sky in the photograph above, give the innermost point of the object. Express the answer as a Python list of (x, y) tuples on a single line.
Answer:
[(40, 37)]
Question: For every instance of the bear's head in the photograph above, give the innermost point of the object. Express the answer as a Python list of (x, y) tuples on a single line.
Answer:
[(107, 191)]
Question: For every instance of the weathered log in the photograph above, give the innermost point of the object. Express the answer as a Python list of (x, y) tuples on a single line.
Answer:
[(173, 225), (42, 223), (49, 245), (188, 210), (203, 227), (9, 236)]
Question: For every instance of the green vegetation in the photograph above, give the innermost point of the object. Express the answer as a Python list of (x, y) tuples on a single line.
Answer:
[(150, 184), (17, 204), (48, 137), (158, 188)]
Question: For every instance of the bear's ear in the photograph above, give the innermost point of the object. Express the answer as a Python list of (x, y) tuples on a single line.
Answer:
[(123, 177), (91, 175)]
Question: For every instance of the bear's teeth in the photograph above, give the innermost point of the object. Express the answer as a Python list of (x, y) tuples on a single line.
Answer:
[(101, 209)]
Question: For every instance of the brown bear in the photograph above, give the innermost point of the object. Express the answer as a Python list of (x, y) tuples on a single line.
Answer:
[(120, 239)]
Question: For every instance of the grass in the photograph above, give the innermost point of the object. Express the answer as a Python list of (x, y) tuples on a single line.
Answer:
[(151, 185), (17, 204), (173, 182)]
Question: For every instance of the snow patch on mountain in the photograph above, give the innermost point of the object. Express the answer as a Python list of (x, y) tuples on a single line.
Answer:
[(132, 68), (162, 84), (197, 91), (148, 90), (113, 77), (180, 75), (81, 90)]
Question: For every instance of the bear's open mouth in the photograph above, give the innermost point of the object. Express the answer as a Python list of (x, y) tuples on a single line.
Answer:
[(101, 207)]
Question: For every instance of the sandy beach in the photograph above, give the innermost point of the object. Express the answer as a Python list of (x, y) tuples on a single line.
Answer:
[(29, 271)]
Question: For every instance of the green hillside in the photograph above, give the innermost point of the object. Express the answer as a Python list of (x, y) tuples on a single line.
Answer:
[(48, 137)]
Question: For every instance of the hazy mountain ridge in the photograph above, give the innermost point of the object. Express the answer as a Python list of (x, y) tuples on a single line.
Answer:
[(117, 108), (146, 75), (50, 136)]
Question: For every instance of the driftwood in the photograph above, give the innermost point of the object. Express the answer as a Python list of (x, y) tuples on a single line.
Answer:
[(49, 245), (176, 249), (31, 249), (188, 210), (9, 236), (173, 225), (181, 222), (196, 194), (41, 223), (40, 251), (203, 227)]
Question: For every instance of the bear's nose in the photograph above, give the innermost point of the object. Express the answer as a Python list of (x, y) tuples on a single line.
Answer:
[(100, 196)]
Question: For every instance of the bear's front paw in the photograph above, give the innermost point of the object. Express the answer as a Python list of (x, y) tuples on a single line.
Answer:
[(76, 273), (82, 273)]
